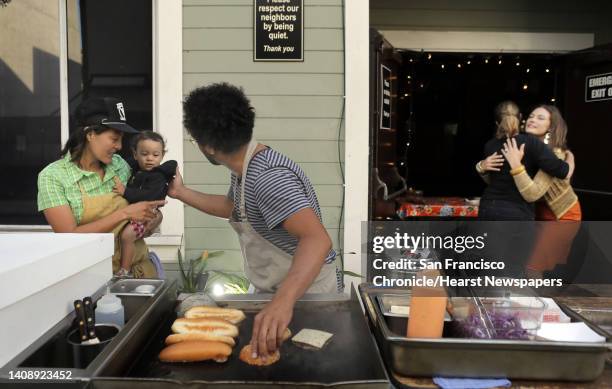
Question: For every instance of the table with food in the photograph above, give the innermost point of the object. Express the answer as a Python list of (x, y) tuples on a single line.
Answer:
[(436, 207), (94, 332)]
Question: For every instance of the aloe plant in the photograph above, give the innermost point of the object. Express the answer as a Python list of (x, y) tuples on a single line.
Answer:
[(232, 283), (194, 270)]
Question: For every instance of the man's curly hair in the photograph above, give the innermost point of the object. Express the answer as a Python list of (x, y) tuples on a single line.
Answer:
[(219, 116)]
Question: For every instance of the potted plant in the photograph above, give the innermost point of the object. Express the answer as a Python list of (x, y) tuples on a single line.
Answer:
[(196, 277)]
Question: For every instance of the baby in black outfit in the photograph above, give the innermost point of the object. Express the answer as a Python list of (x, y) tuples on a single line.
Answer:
[(149, 181)]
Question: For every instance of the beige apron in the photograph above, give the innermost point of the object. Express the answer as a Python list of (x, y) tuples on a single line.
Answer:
[(266, 265), (96, 207)]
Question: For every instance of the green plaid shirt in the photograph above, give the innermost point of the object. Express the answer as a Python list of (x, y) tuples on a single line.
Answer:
[(58, 183)]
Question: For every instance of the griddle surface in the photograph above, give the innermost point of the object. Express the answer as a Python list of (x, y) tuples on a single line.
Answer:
[(350, 356)]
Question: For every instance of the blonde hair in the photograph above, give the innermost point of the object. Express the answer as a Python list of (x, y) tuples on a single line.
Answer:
[(507, 119)]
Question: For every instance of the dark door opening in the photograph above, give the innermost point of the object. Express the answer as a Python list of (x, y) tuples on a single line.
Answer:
[(442, 114), (446, 105)]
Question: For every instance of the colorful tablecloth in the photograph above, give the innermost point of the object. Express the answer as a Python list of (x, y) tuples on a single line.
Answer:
[(437, 207)]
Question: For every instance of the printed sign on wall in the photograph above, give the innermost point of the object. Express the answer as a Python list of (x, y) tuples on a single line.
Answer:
[(598, 87), (278, 33), (385, 101)]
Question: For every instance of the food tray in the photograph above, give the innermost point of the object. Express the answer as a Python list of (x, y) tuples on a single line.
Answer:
[(457, 357), (128, 287)]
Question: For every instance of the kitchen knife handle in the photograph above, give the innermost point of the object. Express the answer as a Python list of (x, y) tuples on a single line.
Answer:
[(90, 318), (81, 322)]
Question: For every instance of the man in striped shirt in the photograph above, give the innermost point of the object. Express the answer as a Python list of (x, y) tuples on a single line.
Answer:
[(271, 205)]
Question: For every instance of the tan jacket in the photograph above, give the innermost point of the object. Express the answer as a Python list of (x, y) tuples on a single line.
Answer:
[(557, 192)]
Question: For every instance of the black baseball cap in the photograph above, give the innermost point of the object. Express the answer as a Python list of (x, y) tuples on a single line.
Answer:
[(103, 111)]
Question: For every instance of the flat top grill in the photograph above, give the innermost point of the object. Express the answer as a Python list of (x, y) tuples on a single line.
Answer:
[(351, 355)]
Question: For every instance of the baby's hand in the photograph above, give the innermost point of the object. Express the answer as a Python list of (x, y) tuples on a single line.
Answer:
[(119, 188)]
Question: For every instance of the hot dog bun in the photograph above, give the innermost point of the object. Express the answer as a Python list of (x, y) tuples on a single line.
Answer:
[(195, 351), (246, 356), (234, 316), (204, 325), (178, 338)]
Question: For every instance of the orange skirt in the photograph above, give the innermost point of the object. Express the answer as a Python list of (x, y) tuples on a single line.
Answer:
[(554, 237)]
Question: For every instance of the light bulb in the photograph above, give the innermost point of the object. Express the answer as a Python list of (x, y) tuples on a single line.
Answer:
[(218, 290)]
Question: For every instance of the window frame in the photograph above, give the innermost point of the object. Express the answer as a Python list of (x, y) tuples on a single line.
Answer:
[(167, 104)]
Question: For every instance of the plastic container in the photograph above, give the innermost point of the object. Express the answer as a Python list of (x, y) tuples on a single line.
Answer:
[(516, 317), (110, 310), (427, 309)]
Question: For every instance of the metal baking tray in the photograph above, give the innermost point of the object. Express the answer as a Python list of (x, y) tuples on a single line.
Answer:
[(53, 353), (456, 357), (351, 359), (130, 286)]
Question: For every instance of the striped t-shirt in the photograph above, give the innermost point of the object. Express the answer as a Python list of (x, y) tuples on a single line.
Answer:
[(276, 188)]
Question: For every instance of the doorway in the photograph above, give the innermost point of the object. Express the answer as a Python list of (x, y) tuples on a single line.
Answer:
[(446, 108), (443, 115)]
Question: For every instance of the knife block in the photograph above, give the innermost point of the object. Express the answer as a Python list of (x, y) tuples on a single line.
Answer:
[(84, 353)]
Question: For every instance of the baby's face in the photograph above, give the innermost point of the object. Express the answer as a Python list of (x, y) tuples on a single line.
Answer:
[(149, 154)]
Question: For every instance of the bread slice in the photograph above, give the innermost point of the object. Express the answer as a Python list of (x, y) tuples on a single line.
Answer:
[(312, 339), (234, 316)]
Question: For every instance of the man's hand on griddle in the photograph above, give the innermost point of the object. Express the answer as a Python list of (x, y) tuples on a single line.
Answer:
[(269, 326)]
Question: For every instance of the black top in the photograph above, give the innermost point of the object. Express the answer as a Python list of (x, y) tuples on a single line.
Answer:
[(537, 156), (149, 185)]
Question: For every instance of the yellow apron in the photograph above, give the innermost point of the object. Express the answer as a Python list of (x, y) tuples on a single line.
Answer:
[(96, 207)]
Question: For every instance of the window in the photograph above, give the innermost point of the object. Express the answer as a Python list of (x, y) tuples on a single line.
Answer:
[(109, 53), (29, 104)]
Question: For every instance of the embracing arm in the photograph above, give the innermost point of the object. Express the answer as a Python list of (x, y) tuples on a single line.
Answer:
[(549, 162), (532, 190), (492, 163)]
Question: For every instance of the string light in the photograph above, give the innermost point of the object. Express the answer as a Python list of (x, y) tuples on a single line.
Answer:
[(518, 64), (525, 86), (459, 65), (527, 70), (547, 70), (552, 100), (442, 66), (499, 62), (469, 62), (486, 60), (429, 56), (421, 85)]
